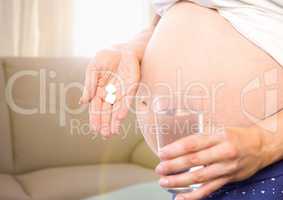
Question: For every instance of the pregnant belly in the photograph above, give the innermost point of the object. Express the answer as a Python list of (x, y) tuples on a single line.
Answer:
[(194, 48)]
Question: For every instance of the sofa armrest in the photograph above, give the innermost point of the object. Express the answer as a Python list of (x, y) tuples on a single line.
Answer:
[(6, 149)]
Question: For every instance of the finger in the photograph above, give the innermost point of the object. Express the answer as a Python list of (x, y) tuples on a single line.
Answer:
[(202, 175), (122, 100), (95, 113), (106, 119), (121, 109), (118, 105), (204, 191), (127, 101), (190, 144), (115, 121), (215, 154), (90, 87), (124, 109)]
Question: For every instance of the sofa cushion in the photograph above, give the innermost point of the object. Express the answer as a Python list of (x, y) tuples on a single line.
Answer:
[(11, 189), (82, 181), (52, 137), (6, 154)]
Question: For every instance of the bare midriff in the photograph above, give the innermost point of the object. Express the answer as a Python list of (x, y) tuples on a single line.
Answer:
[(196, 48)]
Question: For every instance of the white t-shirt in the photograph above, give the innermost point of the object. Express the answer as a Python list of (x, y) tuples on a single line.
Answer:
[(260, 21)]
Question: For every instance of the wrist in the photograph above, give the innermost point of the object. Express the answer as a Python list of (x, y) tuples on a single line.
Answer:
[(137, 45), (271, 146), (138, 51)]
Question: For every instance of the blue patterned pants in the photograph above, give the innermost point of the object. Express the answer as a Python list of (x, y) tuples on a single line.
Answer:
[(265, 185)]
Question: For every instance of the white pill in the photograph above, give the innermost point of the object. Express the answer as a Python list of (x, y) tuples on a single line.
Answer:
[(110, 98), (110, 88)]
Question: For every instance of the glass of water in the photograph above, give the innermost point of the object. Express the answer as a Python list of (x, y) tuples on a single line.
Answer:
[(176, 117)]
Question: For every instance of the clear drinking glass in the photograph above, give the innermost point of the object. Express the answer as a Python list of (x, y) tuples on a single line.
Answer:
[(177, 117)]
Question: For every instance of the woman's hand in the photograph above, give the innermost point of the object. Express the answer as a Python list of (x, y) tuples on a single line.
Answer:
[(117, 66), (232, 156)]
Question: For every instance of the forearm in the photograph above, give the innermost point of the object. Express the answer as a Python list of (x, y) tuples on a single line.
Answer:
[(272, 141), (139, 42)]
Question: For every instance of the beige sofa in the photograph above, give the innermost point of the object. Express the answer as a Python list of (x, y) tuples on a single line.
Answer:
[(46, 151)]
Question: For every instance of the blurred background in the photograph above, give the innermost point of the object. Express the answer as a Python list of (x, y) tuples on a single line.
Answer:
[(68, 27)]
